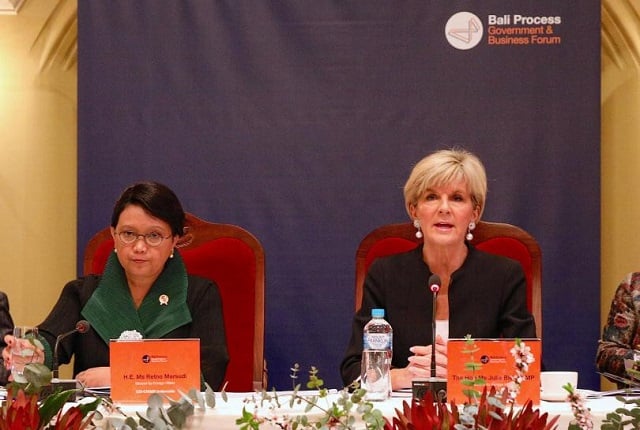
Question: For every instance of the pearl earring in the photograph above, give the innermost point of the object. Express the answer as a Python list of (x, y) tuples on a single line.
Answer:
[(171, 256), (469, 235), (416, 224)]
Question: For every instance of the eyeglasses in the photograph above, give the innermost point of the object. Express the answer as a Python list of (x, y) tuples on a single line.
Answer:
[(151, 239)]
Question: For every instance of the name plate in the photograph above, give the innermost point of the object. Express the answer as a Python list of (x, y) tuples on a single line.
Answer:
[(140, 368), (498, 367)]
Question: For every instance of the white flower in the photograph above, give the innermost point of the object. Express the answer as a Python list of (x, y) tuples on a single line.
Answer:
[(130, 335)]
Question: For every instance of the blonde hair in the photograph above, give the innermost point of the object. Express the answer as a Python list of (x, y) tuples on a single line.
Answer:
[(444, 167)]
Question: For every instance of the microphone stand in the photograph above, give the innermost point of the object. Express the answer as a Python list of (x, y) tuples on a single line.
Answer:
[(433, 332), (57, 384), (56, 363), (437, 386)]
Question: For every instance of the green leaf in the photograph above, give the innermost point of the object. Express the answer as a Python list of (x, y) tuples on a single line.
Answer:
[(210, 395), (473, 394), (155, 401), (38, 374), (472, 366), (85, 408), (132, 423), (247, 417), (177, 416), (53, 403)]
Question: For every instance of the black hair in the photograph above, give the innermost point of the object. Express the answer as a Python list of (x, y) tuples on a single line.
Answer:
[(157, 200)]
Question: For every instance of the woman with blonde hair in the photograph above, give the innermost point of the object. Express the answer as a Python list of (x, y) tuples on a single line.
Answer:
[(481, 294)]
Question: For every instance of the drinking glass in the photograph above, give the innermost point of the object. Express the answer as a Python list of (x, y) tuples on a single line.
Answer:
[(23, 350)]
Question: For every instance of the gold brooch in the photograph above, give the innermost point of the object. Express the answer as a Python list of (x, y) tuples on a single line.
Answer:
[(164, 300)]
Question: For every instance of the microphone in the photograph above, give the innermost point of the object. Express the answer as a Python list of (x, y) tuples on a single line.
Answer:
[(437, 386), (82, 326), (434, 284)]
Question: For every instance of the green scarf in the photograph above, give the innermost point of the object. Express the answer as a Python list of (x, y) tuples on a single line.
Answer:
[(110, 309)]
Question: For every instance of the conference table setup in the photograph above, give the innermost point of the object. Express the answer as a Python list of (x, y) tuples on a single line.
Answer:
[(225, 413)]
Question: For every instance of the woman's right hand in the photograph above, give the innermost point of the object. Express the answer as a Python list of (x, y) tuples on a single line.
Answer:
[(6, 351), (13, 343), (420, 365)]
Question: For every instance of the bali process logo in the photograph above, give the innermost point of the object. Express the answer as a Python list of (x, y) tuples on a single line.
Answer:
[(463, 30)]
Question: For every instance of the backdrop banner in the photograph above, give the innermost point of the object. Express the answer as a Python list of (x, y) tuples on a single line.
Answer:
[(300, 121)]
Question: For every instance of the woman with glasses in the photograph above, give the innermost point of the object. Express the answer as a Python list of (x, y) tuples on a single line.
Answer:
[(145, 292)]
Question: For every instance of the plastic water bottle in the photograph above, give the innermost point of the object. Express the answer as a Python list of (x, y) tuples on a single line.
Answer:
[(375, 368)]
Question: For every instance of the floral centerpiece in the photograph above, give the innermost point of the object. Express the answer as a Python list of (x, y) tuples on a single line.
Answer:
[(340, 413), (486, 407), (28, 408), (492, 410)]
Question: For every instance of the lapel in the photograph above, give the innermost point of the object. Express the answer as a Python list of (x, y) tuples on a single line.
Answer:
[(110, 309)]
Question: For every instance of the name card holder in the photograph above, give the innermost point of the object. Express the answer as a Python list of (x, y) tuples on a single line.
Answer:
[(142, 367)]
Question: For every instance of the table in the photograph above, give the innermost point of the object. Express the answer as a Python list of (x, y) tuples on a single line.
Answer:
[(599, 410), (224, 415)]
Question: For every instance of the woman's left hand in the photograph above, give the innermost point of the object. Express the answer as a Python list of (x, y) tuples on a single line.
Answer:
[(95, 377), (420, 361)]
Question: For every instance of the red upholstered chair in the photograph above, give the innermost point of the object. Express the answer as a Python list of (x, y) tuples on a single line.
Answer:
[(497, 238), (234, 259)]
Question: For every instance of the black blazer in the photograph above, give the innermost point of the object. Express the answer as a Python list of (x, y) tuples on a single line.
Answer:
[(487, 299), (90, 350)]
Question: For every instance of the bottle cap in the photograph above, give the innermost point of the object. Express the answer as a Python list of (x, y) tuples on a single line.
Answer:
[(377, 313)]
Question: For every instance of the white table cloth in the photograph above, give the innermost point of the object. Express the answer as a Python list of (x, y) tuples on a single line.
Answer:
[(224, 415)]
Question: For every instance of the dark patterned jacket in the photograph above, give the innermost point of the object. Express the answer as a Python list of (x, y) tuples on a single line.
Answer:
[(6, 327), (621, 333)]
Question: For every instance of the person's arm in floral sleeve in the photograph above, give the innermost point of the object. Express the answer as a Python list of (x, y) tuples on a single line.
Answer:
[(620, 334), (6, 327)]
